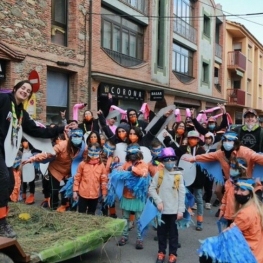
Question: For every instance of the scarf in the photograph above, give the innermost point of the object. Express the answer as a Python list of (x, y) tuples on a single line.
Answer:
[(16, 124)]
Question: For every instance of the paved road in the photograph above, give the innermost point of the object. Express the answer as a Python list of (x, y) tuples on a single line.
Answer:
[(111, 253)]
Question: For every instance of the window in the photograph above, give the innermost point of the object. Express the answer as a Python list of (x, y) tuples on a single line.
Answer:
[(59, 22), (161, 34), (260, 91), (206, 26), (205, 72), (57, 95), (248, 86), (140, 5), (236, 84), (182, 61), (249, 53), (260, 62), (184, 9), (122, 39)]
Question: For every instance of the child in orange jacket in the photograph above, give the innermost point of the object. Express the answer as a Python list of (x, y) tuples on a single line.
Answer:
[(90, 181), (129, 203)]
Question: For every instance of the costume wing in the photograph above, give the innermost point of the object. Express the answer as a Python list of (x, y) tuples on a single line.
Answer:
[(161, 138), (258, 172), (28, 170), (214, 171), (113, 114), (120, 151), (171, 118), (223, 248), (189, 170)]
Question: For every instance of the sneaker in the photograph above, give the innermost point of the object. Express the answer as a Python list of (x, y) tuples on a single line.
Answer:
[(139, 244), (7, 231), (216, 203), (199, 226), (172, 258), (195, 206), (30, 199), (46, 203), (123, 241), (160, 258), (63, 208), (208, 206)]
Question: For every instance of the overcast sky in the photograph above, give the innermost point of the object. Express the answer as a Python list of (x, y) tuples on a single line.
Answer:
[(245, 7)]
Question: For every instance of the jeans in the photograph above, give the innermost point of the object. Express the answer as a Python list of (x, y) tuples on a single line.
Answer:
[(198, 193), (169, 227)]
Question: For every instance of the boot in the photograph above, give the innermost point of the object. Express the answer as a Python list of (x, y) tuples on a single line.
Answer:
[(5, 229), (24, 197), (30, 200), (63, 208)]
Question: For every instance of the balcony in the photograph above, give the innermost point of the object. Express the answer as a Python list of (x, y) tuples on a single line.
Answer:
[(122, 59), (184, 29), (139, 5), (236, 61), (218, 51), (236, 97)]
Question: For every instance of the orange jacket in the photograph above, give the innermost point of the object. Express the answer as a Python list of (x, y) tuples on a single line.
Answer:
[(249, 155), (60, 167), (153, 169), (140, 169), (90, 179), (228, 201), (248, 221)]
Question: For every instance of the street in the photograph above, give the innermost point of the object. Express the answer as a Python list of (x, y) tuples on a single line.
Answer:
[(111, 253)]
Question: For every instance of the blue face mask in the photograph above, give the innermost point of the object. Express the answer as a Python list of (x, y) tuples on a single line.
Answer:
[(211, 127), (76, 140), (228, 146), (234, 172), (169, 165), (108, 150)]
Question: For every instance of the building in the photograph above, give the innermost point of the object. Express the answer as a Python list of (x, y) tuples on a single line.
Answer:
[(83, 50), (243, 72)]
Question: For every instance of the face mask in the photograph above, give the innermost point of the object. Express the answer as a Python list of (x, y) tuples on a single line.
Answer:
[(156, 152), (192, 142), (211, 127), (93, 139), (228, 146), (88, 118), (242, 199), (234, 172), (76, 140), (169, 165), (25, 145), (108, 150), (250, 126), (180, 131), (133, 138)]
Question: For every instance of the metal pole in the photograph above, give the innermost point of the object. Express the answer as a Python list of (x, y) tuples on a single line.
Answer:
[(90, 54)]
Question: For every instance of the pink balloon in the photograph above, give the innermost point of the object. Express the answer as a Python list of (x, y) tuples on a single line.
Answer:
[(188, 112)]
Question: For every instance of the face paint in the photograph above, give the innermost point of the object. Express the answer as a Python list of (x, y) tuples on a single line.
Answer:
[(108, 150), (93, 153), (192, 142), (156, 152)]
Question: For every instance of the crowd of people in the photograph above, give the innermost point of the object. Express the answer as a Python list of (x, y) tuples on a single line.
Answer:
[(83, 161)]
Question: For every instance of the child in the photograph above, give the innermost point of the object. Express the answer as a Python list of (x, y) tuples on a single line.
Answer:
[(168, 193), (91, 177), (129, 203)]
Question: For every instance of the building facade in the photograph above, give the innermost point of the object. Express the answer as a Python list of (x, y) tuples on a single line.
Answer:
[(243, 72), (83, 50)]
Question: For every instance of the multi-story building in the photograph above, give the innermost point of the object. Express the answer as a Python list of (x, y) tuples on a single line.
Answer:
[(243, 72), (83, 50)]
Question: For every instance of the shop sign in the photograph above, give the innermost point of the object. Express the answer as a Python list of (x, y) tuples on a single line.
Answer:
[(120, 92), (2, 69), (156, 95)]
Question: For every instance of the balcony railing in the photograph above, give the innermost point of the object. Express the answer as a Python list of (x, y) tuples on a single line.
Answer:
[(236, 97), (140, 5), (236, 60), (123, 59), (184, 29), (218, 50)]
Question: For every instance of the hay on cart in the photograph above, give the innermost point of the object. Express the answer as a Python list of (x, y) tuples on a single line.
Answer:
[(49, 230)]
